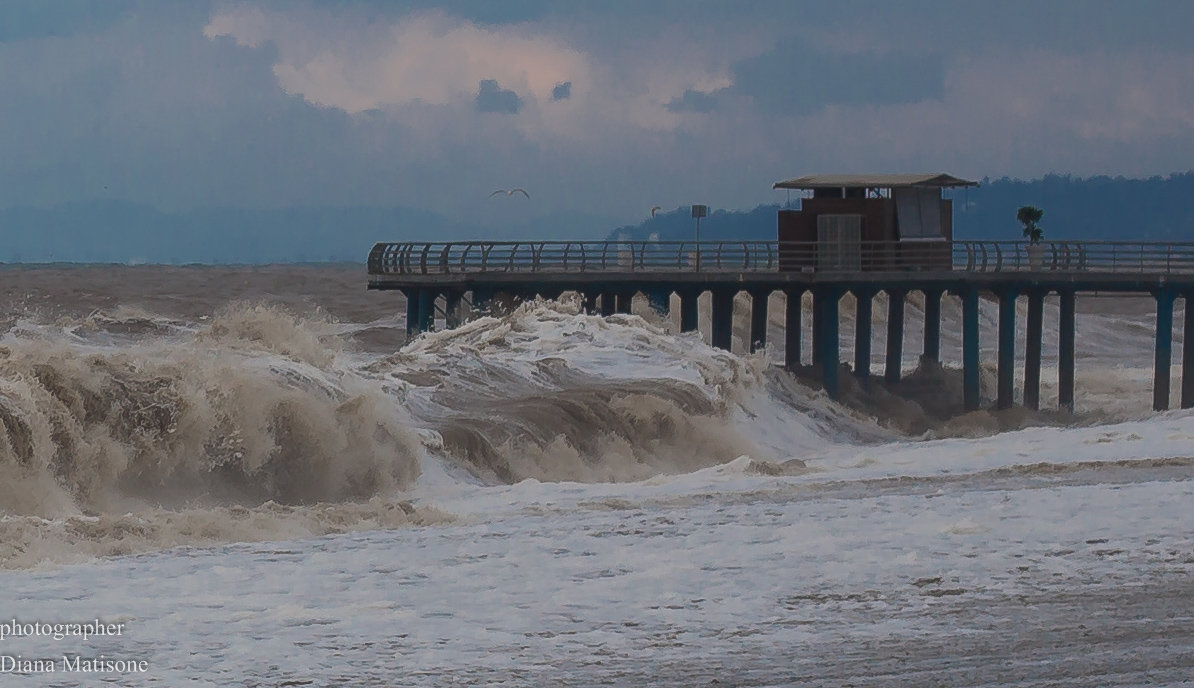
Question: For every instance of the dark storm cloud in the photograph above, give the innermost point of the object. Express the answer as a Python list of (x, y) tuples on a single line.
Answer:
[(793, 79), (693, 101), (493, 98), (139, 101), (562, 91), (30, 19)]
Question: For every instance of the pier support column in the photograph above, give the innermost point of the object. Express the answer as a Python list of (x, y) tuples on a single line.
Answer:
[(758, 320), (826, 304), (482, 299), (932, 350), (452, 301), (1164, 350), (792, 325), (1032, 350), (1188, 354), (622, 301), (817, 325), (426, 300), (688, 310), (895, 335), (970, 349), (722, 329), (412, 311), (1007, 349), (862, 334), (1065, 352), (607, 303)]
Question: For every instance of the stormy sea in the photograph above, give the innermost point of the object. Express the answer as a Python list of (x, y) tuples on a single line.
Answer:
[(246, 476)]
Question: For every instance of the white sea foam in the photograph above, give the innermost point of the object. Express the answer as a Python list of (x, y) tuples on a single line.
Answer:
[(579, 500), (128, 412)]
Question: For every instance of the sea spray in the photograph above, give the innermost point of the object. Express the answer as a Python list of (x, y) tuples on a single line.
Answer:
[(136, 428), (547, 392), (245, 409)]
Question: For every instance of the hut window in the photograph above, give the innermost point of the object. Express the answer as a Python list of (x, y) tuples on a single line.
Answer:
[(918, 213)]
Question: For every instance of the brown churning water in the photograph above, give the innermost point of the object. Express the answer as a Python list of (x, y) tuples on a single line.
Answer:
[(148, 407)]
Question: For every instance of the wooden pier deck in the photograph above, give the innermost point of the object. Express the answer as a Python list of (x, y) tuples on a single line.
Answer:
[(609, 274)]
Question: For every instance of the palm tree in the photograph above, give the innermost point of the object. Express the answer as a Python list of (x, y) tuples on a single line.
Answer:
[(1029, 216)]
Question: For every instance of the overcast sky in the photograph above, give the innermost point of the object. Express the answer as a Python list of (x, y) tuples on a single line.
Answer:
[(606, 107)]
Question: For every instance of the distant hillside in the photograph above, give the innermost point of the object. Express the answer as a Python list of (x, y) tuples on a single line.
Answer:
[(1102, 208), (1156, 209), (120, 232)]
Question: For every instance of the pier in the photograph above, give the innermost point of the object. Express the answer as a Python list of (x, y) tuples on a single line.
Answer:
[(440, 276)]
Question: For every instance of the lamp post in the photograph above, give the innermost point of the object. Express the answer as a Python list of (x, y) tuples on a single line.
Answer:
[(699, 211)]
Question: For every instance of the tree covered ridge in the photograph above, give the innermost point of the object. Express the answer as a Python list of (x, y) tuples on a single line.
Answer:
[(1100, 208), (1095, 208)]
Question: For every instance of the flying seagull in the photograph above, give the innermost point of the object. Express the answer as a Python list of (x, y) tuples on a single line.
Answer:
[(653, 209), (511, 192)]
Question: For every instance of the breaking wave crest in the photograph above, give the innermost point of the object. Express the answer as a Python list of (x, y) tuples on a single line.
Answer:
[(551, 394), (248, 408), (127, 430), (600, 433)]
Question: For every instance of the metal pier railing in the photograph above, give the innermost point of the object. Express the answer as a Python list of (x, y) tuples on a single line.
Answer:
[(411, 258)]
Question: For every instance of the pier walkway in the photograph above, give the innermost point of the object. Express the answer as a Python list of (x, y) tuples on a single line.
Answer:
[(609, 274)]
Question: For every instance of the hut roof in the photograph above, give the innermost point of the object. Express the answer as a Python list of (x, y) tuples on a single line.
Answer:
[(872, 181)]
